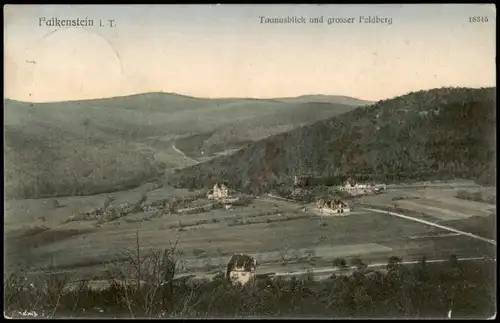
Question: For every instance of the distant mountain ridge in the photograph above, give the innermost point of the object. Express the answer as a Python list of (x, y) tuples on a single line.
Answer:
[(301, 98), (440, 133), (322, 98)]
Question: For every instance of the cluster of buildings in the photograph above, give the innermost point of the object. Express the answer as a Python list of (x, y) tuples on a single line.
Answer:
[(241, 268), (350, 186), (354, 189)]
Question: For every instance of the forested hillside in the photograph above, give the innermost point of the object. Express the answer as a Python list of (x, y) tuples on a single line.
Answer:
[(437, 134)]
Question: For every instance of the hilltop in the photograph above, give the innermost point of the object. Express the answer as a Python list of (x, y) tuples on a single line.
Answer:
[(94, 146), (440, 133), (321, 98)]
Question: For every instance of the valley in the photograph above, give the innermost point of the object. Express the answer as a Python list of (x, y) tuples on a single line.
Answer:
[(283, 236)]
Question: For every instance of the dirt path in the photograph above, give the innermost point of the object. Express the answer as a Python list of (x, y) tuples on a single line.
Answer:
[(281, 198), (493, 242), (183, 154)]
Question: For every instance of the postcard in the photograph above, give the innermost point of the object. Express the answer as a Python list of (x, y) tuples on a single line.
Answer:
[(250, 161)]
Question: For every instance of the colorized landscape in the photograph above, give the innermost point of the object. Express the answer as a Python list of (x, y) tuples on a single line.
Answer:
[(414, 216), (438, 209), (317, 169)]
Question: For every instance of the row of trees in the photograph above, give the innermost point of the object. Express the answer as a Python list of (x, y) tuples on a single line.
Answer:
[(449, 134)]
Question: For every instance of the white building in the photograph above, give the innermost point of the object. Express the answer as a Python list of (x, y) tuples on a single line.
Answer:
[(357, 189), (241, 269), (220, 191), (332, 207)]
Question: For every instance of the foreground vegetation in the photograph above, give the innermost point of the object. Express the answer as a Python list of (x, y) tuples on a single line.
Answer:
[(145, 286)]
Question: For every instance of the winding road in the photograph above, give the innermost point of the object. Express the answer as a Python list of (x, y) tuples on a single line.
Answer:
[(183, 154), (474, 236), (450, 229)]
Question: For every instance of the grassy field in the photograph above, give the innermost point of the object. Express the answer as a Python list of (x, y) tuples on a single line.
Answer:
[(438, 202), (281, 234)]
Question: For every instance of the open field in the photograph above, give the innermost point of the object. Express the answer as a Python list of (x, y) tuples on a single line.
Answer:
[(437, 200), (282, 235), (445, 209)]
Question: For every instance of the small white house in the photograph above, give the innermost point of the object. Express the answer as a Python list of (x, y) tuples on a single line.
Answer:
[(220, 191), (333, 207), (241, 269)]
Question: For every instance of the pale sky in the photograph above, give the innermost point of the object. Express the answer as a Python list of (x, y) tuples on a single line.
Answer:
[(225, 51)]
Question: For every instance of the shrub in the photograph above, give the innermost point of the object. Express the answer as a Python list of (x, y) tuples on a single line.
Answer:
[(340, 263), (358, 263)]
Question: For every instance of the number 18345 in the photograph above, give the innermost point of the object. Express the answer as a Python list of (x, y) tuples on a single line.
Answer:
[(478, 19)]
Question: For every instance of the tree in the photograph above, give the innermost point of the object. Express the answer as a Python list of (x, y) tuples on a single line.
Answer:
[(358, 263), (453, 261), (339, 263), (394, 263), (455, 272), (361, 299), (421, 269), (55, 203)]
